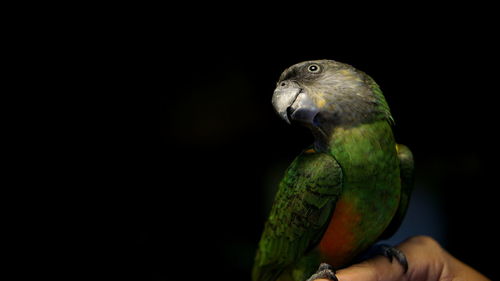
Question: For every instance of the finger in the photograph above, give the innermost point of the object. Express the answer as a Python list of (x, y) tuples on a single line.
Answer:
[(420, 251), (375, 269)]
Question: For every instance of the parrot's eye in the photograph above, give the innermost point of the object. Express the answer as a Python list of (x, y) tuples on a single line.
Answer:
[(314, 68)]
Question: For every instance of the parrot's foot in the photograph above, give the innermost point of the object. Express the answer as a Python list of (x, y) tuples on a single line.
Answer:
[(386, 251), (325, 271), (391, 252)]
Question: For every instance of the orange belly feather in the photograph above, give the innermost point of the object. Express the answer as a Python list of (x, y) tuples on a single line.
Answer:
[(339, 243)]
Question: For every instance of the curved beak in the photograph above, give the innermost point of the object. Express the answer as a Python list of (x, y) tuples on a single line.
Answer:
[(293, 103)]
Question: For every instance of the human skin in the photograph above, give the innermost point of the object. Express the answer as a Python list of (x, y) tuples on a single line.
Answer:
[(427, 260)]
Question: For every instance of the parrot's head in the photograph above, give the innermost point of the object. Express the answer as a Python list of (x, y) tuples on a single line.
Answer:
[(324, 94)]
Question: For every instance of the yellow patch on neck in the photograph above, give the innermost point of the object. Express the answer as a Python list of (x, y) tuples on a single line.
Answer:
[(321, 103), (349, 75), (310, 151), (345, 72)]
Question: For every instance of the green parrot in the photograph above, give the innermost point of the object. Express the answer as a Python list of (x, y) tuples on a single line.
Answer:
[(350, 189)]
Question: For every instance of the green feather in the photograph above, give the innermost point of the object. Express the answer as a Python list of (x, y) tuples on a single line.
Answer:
[(300, 213), (381, 102), (406, 167)]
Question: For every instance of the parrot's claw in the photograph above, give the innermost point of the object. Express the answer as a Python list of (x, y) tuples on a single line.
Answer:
[(391, 252), (325, 271)]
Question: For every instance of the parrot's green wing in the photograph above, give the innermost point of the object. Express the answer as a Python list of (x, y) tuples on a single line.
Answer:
[(300, 214), (406, 168)]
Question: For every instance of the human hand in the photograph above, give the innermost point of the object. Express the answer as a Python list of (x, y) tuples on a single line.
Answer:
[(426, 259)]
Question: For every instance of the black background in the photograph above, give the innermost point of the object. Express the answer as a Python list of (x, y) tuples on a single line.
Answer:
[(207, 181)]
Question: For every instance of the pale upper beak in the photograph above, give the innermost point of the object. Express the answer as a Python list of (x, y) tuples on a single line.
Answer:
[(292, 103)]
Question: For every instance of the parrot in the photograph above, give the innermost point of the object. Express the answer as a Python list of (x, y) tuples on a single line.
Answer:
[(345, 192)]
